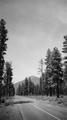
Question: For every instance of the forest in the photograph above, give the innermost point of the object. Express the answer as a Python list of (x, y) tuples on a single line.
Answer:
[(53, 78)]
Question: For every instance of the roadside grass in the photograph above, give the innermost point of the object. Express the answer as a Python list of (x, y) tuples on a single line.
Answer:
[(62, 100), (10, 112)]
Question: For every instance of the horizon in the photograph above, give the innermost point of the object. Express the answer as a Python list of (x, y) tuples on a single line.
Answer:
[(33, 27)]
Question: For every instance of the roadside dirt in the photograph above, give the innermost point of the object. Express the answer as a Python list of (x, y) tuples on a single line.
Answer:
[(9, 112)]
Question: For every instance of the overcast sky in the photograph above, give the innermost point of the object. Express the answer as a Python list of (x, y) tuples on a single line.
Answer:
[(33, 27)]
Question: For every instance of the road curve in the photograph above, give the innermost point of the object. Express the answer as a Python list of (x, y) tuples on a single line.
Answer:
[(39, 110)]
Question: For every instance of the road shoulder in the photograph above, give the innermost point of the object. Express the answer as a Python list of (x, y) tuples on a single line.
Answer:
[(9, 112)]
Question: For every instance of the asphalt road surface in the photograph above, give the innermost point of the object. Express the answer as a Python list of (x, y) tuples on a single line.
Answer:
[(31, 109)]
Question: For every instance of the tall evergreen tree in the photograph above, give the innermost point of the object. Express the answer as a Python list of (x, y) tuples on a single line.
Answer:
[(8, 75), (31, 87), (56, 69), (41, 70), (48, 73), (11, 90), (42, 80), (26, 87), (41, 67), (3, 48), (48, 58), (64, 50), (22, 89)]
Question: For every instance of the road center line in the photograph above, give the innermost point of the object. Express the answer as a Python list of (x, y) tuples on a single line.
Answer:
[(45, 111)]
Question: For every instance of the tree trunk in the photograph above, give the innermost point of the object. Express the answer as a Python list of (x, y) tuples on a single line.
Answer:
[(0, 91), (50, 91), (57, 90)]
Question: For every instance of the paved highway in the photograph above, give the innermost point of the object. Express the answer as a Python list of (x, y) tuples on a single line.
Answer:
[(32, 109)]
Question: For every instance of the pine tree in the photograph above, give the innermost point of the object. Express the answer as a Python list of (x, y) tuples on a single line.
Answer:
[(56, 69), (11, 90), (41, 70), (41, 67), (42, 79), (22, 89), (48, 73), (31, 87), (26, 87), (48, 57), (64, 50), (8, 75), (3, 47)]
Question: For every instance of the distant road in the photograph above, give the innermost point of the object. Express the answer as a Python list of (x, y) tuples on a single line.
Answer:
[(32, 109)]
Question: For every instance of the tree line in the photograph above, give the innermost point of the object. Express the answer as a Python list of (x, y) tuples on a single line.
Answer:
[(27, 88), (53, 79), (6, 73)]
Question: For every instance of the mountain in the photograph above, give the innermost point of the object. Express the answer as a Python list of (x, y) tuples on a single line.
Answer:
[(34, 79)]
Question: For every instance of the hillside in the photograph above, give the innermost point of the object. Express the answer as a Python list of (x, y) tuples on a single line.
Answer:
[(34, 79)]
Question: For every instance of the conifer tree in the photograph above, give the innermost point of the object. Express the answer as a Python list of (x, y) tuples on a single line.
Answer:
[(3, 48), (48, 73), (22, 89), (8, 75), (41, 70), (56, 69), (64, 50), (26, 87)]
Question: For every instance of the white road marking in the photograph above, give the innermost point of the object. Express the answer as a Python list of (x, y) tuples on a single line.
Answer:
[(46, 112)]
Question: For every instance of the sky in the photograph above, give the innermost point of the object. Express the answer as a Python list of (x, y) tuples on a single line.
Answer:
[(33, 27)]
